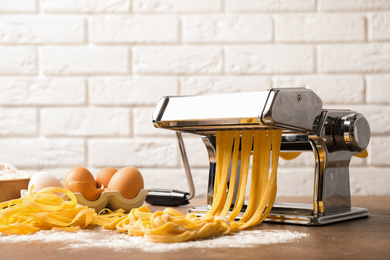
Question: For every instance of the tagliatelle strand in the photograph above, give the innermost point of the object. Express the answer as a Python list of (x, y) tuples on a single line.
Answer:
[(46, 210), (171, 226)]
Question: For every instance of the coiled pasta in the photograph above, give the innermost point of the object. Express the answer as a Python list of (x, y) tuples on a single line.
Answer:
[(47, 210), (171, 226)]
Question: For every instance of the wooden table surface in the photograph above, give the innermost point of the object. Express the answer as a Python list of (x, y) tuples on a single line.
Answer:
[(365, 238)]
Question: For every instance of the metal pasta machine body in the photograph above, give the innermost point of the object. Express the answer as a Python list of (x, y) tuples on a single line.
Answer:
[(334, 136)]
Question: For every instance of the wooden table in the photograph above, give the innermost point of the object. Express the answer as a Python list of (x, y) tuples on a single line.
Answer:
[(365, 238)]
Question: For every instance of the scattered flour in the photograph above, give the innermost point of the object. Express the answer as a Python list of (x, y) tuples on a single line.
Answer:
[(110, 239), (8, 172)]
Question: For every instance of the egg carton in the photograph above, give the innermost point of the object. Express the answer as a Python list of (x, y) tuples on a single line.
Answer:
[(112, 199)]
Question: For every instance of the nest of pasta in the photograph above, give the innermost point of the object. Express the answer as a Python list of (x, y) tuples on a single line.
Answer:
[(46, 210)]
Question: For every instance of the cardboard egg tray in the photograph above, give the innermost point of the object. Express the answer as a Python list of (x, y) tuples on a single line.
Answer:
[(112, 199)]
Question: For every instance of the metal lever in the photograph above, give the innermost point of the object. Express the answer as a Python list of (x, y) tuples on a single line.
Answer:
[(164, 197), (187, 169)]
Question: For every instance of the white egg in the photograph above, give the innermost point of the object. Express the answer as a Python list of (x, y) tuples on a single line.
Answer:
[(42, 180)]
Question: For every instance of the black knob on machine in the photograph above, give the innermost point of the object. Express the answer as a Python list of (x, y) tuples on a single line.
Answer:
[(352, 133)]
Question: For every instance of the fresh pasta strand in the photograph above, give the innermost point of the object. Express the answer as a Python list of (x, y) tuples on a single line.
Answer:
[(45, 210), (170, 226), (221, 176)]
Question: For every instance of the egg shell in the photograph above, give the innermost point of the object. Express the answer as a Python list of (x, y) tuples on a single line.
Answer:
[(80, 174), (89, 191), (42, 180), (104, 176), (128, 181)]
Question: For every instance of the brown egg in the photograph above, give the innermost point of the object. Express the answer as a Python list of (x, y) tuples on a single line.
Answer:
[(104, 176), (80, 174), (128, 181), (86, 189), (79, 179)]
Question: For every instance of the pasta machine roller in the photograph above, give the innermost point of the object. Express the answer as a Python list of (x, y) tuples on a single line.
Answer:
[(333, 135)]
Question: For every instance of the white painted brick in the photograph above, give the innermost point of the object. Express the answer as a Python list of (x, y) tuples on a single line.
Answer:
[(176, 6), (354, 58), (372, 181), (200, 177), (45, 91), (18, 60), (175, 179), (319, 27), (156, 152), (379, 150), (135, 29), (177, 60), (353, 5), (379, 26), (225, 84), (130, 90), (270, 5), (227, 28), (86, 6), (82, 60), (18, 121), (42, 152), (143, 125), (38, 30), (269, 59), (332, 89), (196, 151), (295, 181), (378, 89), (85, 121), (58, 172), (18, 6)]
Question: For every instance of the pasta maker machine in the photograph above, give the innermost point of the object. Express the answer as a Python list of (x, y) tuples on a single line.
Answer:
[(333, 135)]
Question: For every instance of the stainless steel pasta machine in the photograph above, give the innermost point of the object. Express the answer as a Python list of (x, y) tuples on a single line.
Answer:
[(333, 135)]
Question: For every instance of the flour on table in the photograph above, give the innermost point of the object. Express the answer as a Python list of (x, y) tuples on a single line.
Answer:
[(110, 239), (9, 172)]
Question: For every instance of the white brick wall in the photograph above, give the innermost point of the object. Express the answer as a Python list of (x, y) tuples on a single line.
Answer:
[(319, 27), (79, 79), (85, 60), (134, 29), (269, 59), (18, 61), (176, 61), (227, 28), (22, 29), (42, 91)]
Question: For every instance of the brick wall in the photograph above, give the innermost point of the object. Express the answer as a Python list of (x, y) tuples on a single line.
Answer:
[(79, 79)]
